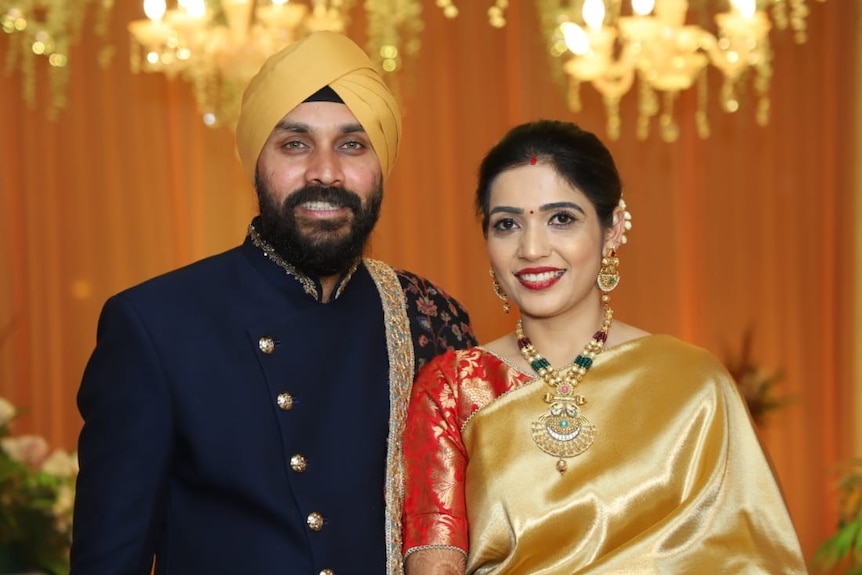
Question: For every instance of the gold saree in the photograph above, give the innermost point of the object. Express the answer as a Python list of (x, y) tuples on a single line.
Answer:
[(674, 482)]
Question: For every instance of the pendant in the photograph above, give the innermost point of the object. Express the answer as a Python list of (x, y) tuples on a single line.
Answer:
[(563, 432)]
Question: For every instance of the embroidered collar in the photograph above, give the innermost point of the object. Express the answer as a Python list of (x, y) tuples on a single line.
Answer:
[(309, 285)]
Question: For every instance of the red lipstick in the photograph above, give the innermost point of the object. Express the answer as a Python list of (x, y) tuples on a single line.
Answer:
[(539, 278)]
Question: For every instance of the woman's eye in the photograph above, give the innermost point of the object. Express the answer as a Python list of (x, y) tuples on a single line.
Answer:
[(504, 224), (563, 219)]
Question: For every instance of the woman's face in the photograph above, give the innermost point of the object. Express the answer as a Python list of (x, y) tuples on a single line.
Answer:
[(544, 241)]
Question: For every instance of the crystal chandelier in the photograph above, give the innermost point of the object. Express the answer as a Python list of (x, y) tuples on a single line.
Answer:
[(45, 30), (656, 46), (219, 45)]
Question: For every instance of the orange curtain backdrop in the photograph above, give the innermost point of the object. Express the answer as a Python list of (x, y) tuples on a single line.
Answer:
[(750, 229)]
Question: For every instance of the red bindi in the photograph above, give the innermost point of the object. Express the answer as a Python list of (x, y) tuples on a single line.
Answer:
[(532, 162)]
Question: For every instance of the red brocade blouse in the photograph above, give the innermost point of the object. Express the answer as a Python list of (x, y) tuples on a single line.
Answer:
[(675, 480)]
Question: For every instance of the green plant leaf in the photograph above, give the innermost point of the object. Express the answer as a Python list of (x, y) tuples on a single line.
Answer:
[(845, 538), (840, 546), (856, 544)]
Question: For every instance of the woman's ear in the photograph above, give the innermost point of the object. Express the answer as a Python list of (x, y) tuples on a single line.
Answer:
[(614, 234)]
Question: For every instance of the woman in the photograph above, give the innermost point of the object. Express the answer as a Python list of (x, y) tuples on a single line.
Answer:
[(636, 457)]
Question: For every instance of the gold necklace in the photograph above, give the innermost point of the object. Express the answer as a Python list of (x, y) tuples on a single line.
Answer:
[(562, 431)]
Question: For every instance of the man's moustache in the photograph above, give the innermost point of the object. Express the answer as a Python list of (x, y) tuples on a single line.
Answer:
[(338, 197)]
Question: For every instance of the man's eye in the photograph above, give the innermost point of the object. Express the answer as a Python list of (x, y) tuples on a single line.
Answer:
[(293, 145), (353, 145)]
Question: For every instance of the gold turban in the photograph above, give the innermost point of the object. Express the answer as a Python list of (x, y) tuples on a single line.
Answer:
[(290, 76)]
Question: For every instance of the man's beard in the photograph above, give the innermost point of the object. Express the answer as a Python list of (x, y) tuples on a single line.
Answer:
[(317, 248)]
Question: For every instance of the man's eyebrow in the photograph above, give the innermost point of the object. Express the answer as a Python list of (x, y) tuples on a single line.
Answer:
[(352, 128), (303, 128), (285, 126)]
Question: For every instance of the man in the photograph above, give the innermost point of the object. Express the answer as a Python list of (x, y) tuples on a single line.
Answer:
[(243, 415)]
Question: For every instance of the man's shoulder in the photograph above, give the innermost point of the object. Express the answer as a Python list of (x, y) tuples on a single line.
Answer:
[(208, 272)]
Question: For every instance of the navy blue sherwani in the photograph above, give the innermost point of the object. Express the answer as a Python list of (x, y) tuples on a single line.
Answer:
[(234, 424)]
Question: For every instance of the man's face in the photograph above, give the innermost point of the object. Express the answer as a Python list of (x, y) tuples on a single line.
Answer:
[(319, 187)]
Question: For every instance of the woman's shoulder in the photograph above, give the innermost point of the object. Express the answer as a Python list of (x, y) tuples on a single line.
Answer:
[(501, 347), (458, 360), (621, 333), (664, 353), (468, 378)]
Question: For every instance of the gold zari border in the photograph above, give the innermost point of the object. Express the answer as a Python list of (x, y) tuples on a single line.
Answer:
[(400, 346)]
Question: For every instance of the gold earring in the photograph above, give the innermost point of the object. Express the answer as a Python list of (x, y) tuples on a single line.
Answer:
[(609, 276), (498, 290)]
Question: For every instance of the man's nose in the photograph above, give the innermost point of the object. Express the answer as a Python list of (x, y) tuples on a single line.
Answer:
[(324, 168)]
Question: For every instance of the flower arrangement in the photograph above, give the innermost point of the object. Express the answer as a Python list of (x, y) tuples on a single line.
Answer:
[(37, 491), (843, 551)]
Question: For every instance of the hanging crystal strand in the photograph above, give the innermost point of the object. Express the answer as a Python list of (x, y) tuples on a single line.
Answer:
[(448, 7), (574, 95), (798, 14), (612, 108), (779, 14), (701, 118), (497, 13), (762, 79), (729, 103), (647, 108), (669, 127)]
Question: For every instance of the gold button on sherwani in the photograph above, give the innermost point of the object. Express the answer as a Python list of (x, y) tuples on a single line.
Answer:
[(298, 463), (285, 401), (266, 345), (314, 521)]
